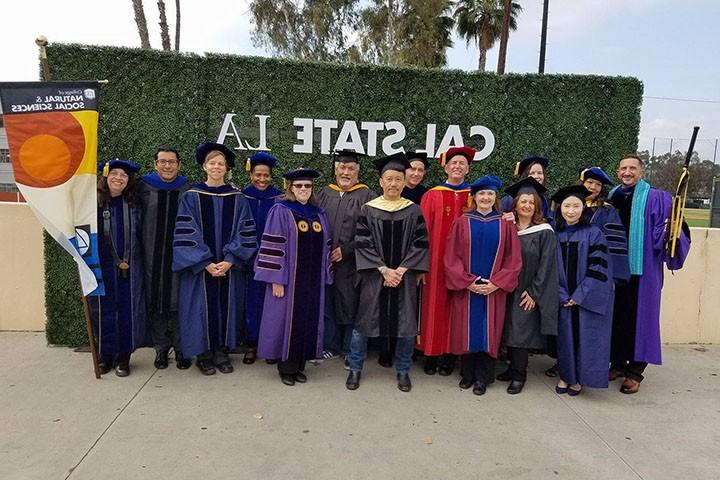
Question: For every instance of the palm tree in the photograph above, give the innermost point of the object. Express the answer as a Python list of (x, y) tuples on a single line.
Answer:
[(480, 22)]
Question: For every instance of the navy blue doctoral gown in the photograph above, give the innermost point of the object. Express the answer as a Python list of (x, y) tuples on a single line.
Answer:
[(260, 203), (213, 224), (583, 341), (119, 315)]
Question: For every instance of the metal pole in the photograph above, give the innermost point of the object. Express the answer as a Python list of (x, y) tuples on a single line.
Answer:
[(715, 152), (543, 36), (652, 155)]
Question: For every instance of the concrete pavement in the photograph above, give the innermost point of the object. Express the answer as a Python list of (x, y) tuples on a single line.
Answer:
[(58, 422)]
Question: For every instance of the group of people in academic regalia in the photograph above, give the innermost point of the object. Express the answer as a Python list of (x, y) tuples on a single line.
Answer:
[(457, 270)]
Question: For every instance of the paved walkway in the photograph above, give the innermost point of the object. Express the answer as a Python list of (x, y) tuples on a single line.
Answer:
[(58, 422)]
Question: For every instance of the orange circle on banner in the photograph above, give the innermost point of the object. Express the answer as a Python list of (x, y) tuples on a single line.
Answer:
[(46, 149), (36, 149)]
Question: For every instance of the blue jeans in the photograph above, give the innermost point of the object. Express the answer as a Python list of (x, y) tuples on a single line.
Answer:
[(403, 352), (336, 338)]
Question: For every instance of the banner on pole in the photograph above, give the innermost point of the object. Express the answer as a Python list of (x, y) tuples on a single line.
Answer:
[(52, 134)]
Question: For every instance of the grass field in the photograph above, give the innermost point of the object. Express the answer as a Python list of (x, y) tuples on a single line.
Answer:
[(697, 217)]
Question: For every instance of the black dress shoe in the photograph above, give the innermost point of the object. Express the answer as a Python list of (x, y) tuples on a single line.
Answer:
[(181, 362), (552, 372), (206, 367), (430, 367), (479, 388), (287, 379), (385, 361), (466, 383), (225, 367), (122, 369), (161, 359), (353, 380), (105, 366), (271, 361), (300, 377), (515, 387), (504, 376), (404, 384), (446, 370)]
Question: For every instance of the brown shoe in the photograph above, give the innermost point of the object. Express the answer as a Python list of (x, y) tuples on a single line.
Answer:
[(614, 374), (630, 386)]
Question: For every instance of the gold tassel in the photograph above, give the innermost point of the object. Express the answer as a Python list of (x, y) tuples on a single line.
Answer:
[(106, 169), (582, 174), (469, 201), (443, 159), (247, 165), (517, 169), (229, 176), (285, 184)]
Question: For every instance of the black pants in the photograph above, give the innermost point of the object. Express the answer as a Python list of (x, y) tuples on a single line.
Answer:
[(114, 360), (165, 331), (217, 355), (518, 363), (622, 347), (290, 367), (478, 367)]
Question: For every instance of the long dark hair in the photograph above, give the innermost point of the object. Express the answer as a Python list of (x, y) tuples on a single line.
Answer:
[(560, 222), (537, 217), (526, 173), (130, 193)]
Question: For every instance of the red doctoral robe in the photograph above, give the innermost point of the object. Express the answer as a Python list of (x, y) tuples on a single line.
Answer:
[(504, 274), (440, 206)]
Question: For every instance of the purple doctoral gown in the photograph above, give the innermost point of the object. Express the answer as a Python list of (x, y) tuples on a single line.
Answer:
[(583, 341), (647, 336), (295, 253)]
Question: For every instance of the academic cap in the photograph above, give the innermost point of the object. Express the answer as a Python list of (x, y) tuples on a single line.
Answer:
[(526, 185), (128, 167), (488, 182), (467, 152), (301, 174), (578, 191), (525, 163), (396, 161), (595, 173), (260, 158), (421, 156), (347, 156), (204, 148)]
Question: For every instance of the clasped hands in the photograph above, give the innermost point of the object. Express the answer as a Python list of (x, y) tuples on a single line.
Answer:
[(393, 277), (483, 288), (218, 269)]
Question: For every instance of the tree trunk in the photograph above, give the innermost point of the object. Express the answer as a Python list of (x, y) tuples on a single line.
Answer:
[(164, 29), (504, 38), (177, 25), (141, 23), (482, 58)]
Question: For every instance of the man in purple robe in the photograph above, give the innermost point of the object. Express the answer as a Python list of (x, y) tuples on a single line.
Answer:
[(644, 212)]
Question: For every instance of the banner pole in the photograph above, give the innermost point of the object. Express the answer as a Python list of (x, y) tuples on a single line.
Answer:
[(41, 41)]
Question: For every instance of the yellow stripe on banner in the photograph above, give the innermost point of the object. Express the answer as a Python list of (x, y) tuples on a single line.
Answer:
[(88, 119)]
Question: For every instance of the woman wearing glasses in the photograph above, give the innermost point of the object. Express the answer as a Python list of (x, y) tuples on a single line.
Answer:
[(294, 263)]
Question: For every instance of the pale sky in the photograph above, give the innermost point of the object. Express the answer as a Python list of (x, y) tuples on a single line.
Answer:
[(672, 47)]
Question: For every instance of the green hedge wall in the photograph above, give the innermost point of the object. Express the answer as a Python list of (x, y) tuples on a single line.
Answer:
[(161, 98)]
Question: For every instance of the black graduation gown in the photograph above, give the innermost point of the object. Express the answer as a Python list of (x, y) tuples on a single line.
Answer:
[(539, 277), (393, 239), (342, 213)]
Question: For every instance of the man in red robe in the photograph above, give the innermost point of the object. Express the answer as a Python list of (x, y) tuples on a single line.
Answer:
[(441, 205)]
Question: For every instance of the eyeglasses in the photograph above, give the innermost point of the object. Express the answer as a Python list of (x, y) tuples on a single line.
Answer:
[(167, 162), (302, 185)]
